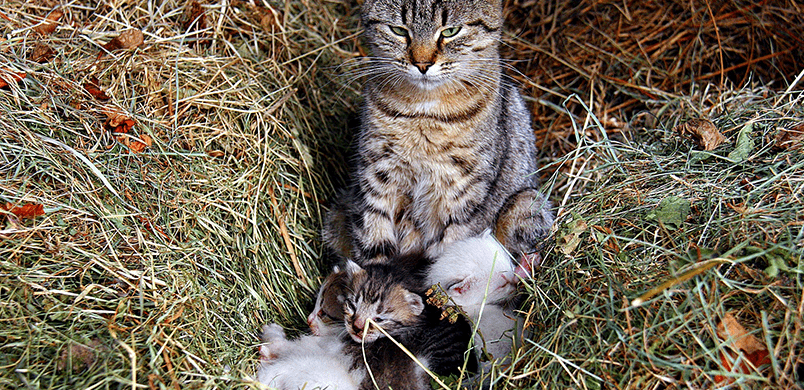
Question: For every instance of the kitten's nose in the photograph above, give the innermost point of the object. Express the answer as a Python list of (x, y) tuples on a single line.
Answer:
[(358, 325), (423, 66)]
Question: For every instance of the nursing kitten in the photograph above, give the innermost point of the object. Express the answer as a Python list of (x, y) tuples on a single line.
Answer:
[(479, 276), (327, 315), (445, 148), (309, 362), (388, 297)]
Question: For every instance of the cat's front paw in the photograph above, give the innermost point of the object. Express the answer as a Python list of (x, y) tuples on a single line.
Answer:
[(273, 337), (524, 221)]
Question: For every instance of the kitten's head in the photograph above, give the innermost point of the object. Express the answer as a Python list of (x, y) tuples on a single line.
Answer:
[(432, 43), (328, 312), (374, 294), (465, 267)]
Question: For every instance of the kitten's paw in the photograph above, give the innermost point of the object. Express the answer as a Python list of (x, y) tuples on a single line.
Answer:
[(527, 263), (273, 337), (272, 333)]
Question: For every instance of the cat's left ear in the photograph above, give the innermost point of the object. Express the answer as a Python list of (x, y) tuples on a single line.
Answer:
[(458, 288), (415, 302)]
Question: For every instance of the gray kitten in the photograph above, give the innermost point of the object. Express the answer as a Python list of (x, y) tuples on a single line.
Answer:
[(445, 148)]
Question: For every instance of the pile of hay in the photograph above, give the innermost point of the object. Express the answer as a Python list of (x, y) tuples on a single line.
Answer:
[(162, 199)]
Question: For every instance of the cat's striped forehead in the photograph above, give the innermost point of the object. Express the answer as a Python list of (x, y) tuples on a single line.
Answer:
[(430, 13)]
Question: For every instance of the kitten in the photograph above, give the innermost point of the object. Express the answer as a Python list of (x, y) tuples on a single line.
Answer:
[(389, 297), (308, 362), (445, 148), (327, 315), (479, 276)]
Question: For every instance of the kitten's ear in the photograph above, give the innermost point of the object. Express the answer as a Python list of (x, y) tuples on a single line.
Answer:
[(352, 268), (415, 302), (458, 288), (486, 233)]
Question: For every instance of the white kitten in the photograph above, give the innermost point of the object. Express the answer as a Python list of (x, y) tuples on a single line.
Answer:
[(309, 362), (478, 274)]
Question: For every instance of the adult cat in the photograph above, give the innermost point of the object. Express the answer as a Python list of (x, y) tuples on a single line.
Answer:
[(445, 148)]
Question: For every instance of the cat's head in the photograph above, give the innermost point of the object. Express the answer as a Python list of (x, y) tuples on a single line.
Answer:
[(432, 43), (374, 294), (465, 267), (327, 316)]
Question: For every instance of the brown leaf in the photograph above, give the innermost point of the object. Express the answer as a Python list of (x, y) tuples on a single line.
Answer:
[(50, 23), (92, 86), (703, 132), (41, 53), (194, 17), (128, 39), (740, 340), (790, 139), (7, 77), (135, 145), (26, 211), (269, 19), (117, 121), (80, 355)]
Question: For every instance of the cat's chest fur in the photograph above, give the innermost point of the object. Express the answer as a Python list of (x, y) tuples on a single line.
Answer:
[(426, 147)]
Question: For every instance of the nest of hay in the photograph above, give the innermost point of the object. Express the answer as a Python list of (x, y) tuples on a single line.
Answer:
[(164, 168)]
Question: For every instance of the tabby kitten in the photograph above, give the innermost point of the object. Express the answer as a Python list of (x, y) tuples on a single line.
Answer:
[(387, 296), (445, 148), (327, 315)]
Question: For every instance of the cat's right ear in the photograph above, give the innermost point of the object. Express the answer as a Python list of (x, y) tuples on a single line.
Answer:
[(352, 268)]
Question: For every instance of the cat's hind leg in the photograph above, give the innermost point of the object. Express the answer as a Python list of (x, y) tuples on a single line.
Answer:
[(336, 231)]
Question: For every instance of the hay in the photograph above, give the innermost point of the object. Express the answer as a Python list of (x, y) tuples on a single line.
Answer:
[(183, 211)]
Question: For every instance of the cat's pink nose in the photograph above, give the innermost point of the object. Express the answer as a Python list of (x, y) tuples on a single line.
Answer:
[(423, 66)]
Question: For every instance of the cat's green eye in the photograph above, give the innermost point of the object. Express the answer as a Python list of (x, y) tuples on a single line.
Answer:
[(401, 31), (450, 32)]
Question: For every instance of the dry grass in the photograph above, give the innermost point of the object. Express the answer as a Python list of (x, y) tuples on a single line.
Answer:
[(153, 268)]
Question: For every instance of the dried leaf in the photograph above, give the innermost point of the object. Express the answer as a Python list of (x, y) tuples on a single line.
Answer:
[(570, 238), (194, 17), (26, 211), (269, 19), (128, 39), (135, 145), (703, 132), (92, 86), (740, 340), (790, 139), (7, 77), (50, 23), (117, 121), (80, 356), (41, 53), (672, 211), (745, 144)]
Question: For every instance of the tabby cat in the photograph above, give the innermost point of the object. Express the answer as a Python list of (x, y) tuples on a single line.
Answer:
[(387, 295), (445, 149)]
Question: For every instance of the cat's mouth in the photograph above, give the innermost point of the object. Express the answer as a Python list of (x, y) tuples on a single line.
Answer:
[(369, 338)]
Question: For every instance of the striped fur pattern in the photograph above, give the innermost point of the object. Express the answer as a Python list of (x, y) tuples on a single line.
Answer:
[(389, 296), (445, 148)]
